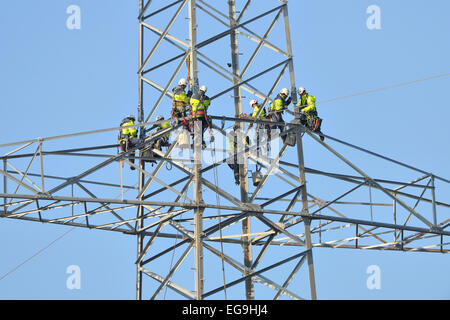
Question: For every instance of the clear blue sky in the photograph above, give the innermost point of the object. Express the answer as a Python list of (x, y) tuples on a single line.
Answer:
[(56, 81)]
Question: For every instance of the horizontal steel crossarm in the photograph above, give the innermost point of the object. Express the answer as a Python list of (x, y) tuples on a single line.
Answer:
[(82, 181), (336, 202), (370, 180), (23, 184), (57, 152), (95, 212), (350, 177), (353, 179), (280, 229), (70, 135), (118, 157), (386, 158), (253, 210), (341, 215), (112, 211), (111, 160)]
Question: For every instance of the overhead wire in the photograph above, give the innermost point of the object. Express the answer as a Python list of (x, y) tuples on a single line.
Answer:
[(383, 88)]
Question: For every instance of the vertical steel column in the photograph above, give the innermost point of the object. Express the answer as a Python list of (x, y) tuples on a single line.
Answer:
[(198, 197), (5, 184), (193, 63), (246, 225), (433, 197), (140, 110), (301, 164)]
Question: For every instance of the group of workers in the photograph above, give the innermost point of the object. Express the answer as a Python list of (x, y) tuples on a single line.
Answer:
[(192, 110), (306, 106)]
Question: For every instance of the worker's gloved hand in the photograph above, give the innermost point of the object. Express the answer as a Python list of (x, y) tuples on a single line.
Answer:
[(189, 93), (288, 101)]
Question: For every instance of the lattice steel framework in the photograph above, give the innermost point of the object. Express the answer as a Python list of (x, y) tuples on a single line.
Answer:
[(223, 239)]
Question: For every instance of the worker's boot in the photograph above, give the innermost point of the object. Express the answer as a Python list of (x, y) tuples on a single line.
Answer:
[(322, 138), (236, 178)]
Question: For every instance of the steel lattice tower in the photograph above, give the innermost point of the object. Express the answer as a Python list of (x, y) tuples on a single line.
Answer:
[(197, 235)]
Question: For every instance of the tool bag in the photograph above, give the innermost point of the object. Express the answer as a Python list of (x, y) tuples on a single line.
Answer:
[(314, 123)]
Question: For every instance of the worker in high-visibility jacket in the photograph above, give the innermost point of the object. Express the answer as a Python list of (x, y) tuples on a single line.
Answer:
[(180, 101), (308, 111), (128, 137), (280, 103), (258, 111), (200, 103), (164, 140)]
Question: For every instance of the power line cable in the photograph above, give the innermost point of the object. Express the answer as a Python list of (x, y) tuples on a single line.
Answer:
[(35, 254), (384, 88)]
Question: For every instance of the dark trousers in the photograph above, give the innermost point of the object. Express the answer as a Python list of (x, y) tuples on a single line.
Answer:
[(180, 115), (233, 164), (277, 117), (128, 144)]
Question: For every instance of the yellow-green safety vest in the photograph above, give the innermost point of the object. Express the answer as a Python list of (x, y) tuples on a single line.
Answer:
[(261, 115), (278, 104), (127, 132), (163, 126), (307, 104), (180, 99), (200, 104)]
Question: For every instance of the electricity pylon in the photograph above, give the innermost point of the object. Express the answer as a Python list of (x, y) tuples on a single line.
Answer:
[(198, 234)]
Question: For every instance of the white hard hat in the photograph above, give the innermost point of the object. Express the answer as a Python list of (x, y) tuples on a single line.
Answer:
[(285, 91), (131, 117), (301, 90), (252, 102), (160, 117), (182, 82), (203, 88)]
